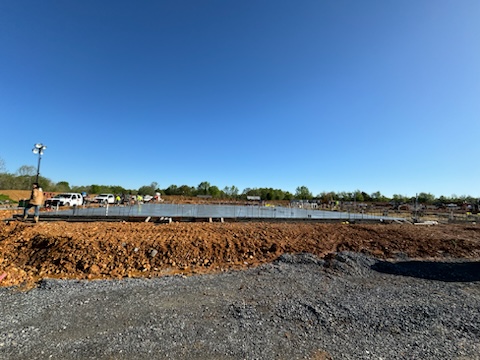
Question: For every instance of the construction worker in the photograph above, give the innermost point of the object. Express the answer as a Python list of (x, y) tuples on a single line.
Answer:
[(36, 200)]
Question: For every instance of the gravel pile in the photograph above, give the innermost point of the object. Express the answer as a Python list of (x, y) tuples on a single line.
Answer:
[(347, 306)]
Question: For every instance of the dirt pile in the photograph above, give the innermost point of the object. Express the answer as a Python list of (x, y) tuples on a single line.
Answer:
[(31, 252)]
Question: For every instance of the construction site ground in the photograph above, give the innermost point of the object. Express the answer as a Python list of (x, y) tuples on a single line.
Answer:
[(30, 252), (249, 290)]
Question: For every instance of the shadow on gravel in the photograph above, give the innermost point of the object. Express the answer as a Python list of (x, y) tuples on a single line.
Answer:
[(432, 270)]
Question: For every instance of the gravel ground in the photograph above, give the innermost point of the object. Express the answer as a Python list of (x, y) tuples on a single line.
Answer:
[(347, 306)]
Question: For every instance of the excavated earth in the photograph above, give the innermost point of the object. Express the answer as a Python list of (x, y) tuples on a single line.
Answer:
[(31, 252), (239, 291)]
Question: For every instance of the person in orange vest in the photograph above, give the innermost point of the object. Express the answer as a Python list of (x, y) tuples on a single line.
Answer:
[(36, 200)]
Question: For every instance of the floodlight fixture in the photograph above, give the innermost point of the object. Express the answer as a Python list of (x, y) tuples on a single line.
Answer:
[(38, 149)]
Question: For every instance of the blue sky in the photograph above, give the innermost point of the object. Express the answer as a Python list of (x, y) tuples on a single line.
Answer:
[(332, 95)]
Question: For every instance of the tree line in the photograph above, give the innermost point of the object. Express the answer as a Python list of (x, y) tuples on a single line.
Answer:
[(25, 176)]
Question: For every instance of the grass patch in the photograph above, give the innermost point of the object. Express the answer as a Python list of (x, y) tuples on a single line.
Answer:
[(5, 199)]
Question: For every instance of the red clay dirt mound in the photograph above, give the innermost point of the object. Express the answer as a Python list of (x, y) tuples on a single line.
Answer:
[(31, 252)]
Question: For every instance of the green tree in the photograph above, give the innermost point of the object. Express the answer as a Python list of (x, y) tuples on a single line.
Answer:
[(99, 189), (214, 191), (399, 199), (454, 199), (358, 196), (426, 198), (267, 194), (303, 193), (148, 189), (326, 197), (24, 182), (441, 200), (62, 186), (469, 199), (116, 189), (7, 181), (344, 196), (171, 190), (80, 189), (203, 187), (231, 191), (186, 190), (277, 194), (377, 196), (251, 192), (366, 197)]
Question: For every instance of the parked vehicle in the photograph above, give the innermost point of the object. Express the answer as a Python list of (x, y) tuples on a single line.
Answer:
[(65, 199), (147, 198), (105, 199)]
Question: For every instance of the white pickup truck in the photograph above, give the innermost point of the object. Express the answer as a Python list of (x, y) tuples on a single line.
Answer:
[(65, 199), (104, 199)]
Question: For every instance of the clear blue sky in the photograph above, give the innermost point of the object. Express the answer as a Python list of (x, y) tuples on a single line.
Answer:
[(334, 95)]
